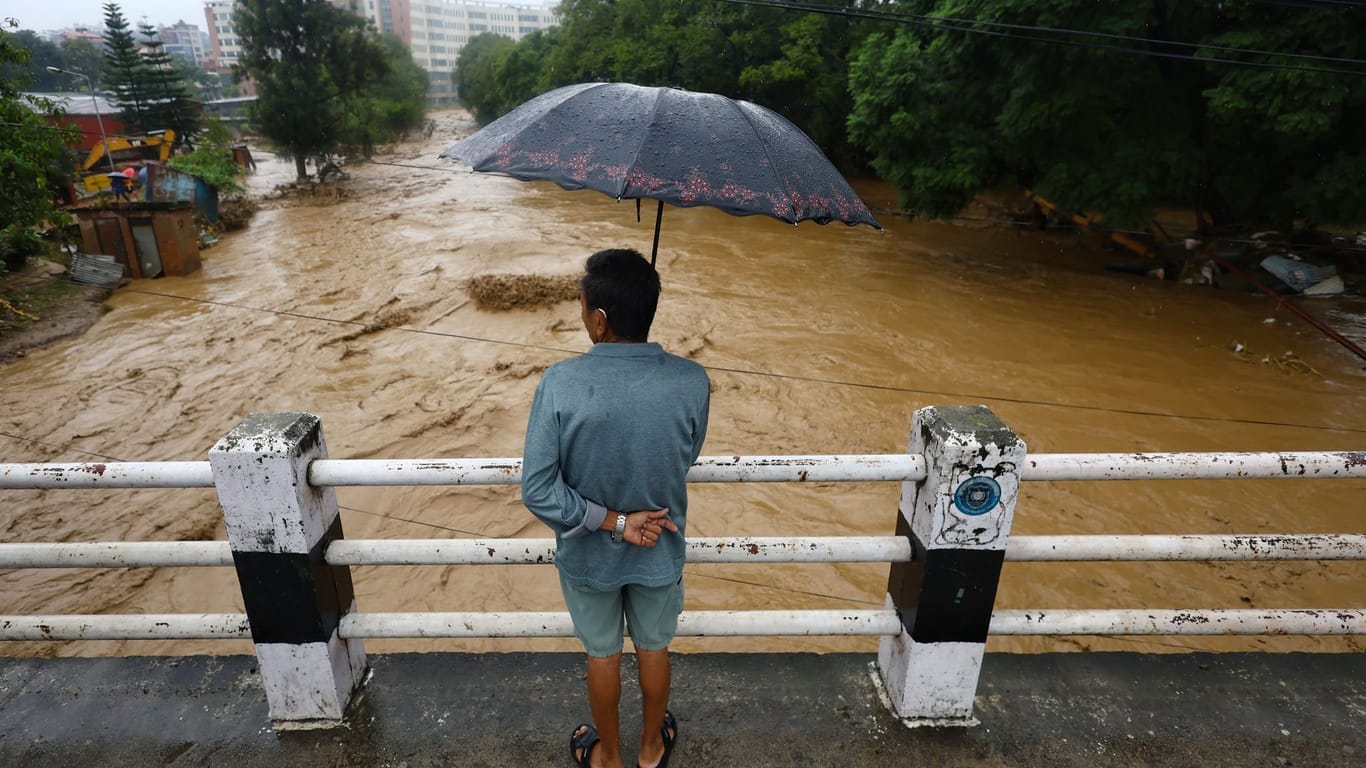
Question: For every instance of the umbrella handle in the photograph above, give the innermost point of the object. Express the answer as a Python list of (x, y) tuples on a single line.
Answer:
[(659, 217)]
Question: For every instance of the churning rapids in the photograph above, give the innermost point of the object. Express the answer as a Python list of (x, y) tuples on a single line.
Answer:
[(818, 339)]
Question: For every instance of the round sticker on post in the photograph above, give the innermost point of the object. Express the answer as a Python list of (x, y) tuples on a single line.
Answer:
[(977, 495)]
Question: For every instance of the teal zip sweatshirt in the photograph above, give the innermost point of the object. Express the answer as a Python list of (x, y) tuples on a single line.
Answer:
[(615, 428)]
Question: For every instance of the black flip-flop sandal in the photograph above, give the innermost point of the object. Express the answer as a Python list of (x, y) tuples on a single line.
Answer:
[(585, 741), (669, 724)]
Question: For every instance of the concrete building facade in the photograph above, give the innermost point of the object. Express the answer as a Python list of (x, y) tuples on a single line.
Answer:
[(224, 46), (435, 30), (187, 41)]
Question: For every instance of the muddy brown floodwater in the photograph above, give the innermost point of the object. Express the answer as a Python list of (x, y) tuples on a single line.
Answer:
[(819, 340)]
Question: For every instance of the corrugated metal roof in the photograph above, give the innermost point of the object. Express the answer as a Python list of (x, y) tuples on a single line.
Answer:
[(80, 103), (96, 269)]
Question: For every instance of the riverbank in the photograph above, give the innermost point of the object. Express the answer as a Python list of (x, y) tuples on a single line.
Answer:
[(40, 307)]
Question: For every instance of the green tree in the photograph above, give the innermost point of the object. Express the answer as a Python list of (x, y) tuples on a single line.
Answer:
[(41, 55), (791, 62), (395, 104), (83, 56), (125, 72), (308, 59), (798, 65), (34, 157), (211, 160), (523, 71), (75, 54), (476, 83), (944, 112), (648, 42), (1286, 145), (205, 84), (169, 103)]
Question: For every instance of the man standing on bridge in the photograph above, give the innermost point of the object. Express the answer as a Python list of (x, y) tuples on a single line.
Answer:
[(617, 429)]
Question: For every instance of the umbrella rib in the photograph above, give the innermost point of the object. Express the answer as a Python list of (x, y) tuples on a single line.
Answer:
[(782, 180), (645, 134)]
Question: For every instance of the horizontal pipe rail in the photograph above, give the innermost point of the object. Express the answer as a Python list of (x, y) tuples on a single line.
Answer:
[(1203, 548), (707, 469), (1142, 621), (1303, 465), (116, 554), (844, 549), (875, 467), (814, 549), (714, 469), (1238, 621), (126, 626), (111, 474), (553, 624)]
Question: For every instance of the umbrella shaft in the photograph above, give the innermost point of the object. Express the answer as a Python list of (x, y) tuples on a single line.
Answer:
[(659, 217)]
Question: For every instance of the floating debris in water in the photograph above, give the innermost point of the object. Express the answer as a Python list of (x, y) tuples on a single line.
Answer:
[(504, 292)]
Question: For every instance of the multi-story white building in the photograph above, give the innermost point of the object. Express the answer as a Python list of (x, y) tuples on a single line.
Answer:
[(435, 30)]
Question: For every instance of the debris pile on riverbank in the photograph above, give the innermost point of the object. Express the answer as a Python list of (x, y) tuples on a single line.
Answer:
[(235, 212)]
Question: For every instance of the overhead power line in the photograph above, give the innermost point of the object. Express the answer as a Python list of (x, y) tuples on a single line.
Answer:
[(1010, 31)]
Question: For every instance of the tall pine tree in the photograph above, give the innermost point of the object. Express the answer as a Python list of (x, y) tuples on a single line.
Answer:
[(125, 73), (169, 102)]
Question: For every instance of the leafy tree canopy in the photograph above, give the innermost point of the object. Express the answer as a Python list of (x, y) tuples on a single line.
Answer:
[(395, 104), (34, 156), (791, 62), (211, 159), (945, 113), (475, 78), (312, 64), (75, 54)]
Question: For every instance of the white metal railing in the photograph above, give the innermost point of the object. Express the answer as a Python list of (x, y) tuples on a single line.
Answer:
[(1301, 465), (111, 474), (741, 549), (814, 468), (806, 623)]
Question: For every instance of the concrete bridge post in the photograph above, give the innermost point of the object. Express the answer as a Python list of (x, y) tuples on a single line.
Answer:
[(278, 528), (957, 519)]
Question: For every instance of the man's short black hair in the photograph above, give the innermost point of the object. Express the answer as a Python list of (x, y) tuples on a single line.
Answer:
[(624, 285)]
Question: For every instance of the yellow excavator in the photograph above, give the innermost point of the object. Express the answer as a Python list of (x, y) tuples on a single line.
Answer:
[(117, 152)]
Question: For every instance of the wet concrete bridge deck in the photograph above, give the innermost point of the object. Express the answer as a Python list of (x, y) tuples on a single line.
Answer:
[(1083, 709)]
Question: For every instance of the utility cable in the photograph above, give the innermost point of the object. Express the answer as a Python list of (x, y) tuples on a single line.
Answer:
[(784, 376), (972, 26), (976, 396)]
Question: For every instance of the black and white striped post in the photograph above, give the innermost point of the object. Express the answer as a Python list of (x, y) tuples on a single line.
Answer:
[(279, 527), (957, 519)]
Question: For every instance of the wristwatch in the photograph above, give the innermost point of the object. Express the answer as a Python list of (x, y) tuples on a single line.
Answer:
[(619, 534)]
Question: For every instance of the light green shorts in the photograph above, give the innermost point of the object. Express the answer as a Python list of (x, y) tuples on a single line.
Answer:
[(651, 615)]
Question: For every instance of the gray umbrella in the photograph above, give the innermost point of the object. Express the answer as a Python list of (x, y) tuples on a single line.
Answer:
[(666, 144)]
